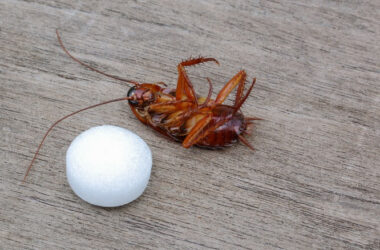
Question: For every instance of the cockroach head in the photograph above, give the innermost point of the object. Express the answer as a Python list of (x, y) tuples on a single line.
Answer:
[(139, 96), (131, 95)]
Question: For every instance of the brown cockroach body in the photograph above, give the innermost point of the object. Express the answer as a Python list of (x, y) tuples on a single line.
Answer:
[(179, 113), (182, 116)]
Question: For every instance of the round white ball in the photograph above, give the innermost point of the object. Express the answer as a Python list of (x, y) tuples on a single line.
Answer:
[(108, 166)]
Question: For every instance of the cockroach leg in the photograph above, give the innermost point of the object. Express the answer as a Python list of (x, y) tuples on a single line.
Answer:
[(240, 90), (185, 89), (169, 107), (227, 89), (206, 102), (197, 132), (238, 106), (194, 61)]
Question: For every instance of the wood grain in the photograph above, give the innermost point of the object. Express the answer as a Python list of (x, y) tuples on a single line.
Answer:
[(312, 183)]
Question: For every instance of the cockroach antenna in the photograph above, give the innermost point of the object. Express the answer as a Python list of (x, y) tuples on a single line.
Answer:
[(63, 118), (90, 67)]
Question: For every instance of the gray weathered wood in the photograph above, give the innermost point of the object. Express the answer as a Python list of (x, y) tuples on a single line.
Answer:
[(313, 182)]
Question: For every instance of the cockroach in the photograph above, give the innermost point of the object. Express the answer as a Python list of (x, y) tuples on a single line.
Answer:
[(180, 114)]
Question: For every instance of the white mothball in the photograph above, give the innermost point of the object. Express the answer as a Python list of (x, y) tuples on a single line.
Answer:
[(108, 166)]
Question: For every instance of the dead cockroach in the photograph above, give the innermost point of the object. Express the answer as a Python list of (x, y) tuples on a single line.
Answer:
[(179, 113)]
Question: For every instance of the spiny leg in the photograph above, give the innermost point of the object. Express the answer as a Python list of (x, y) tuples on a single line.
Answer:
[(175, 112), (169, 107), (194, 61), (237, 106), (185, 89), (208, 98), (238, 79), (201, 130), (197, 132), (240, 90)]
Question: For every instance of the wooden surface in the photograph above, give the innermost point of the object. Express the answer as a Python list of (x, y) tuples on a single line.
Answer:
[(313, 182)]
